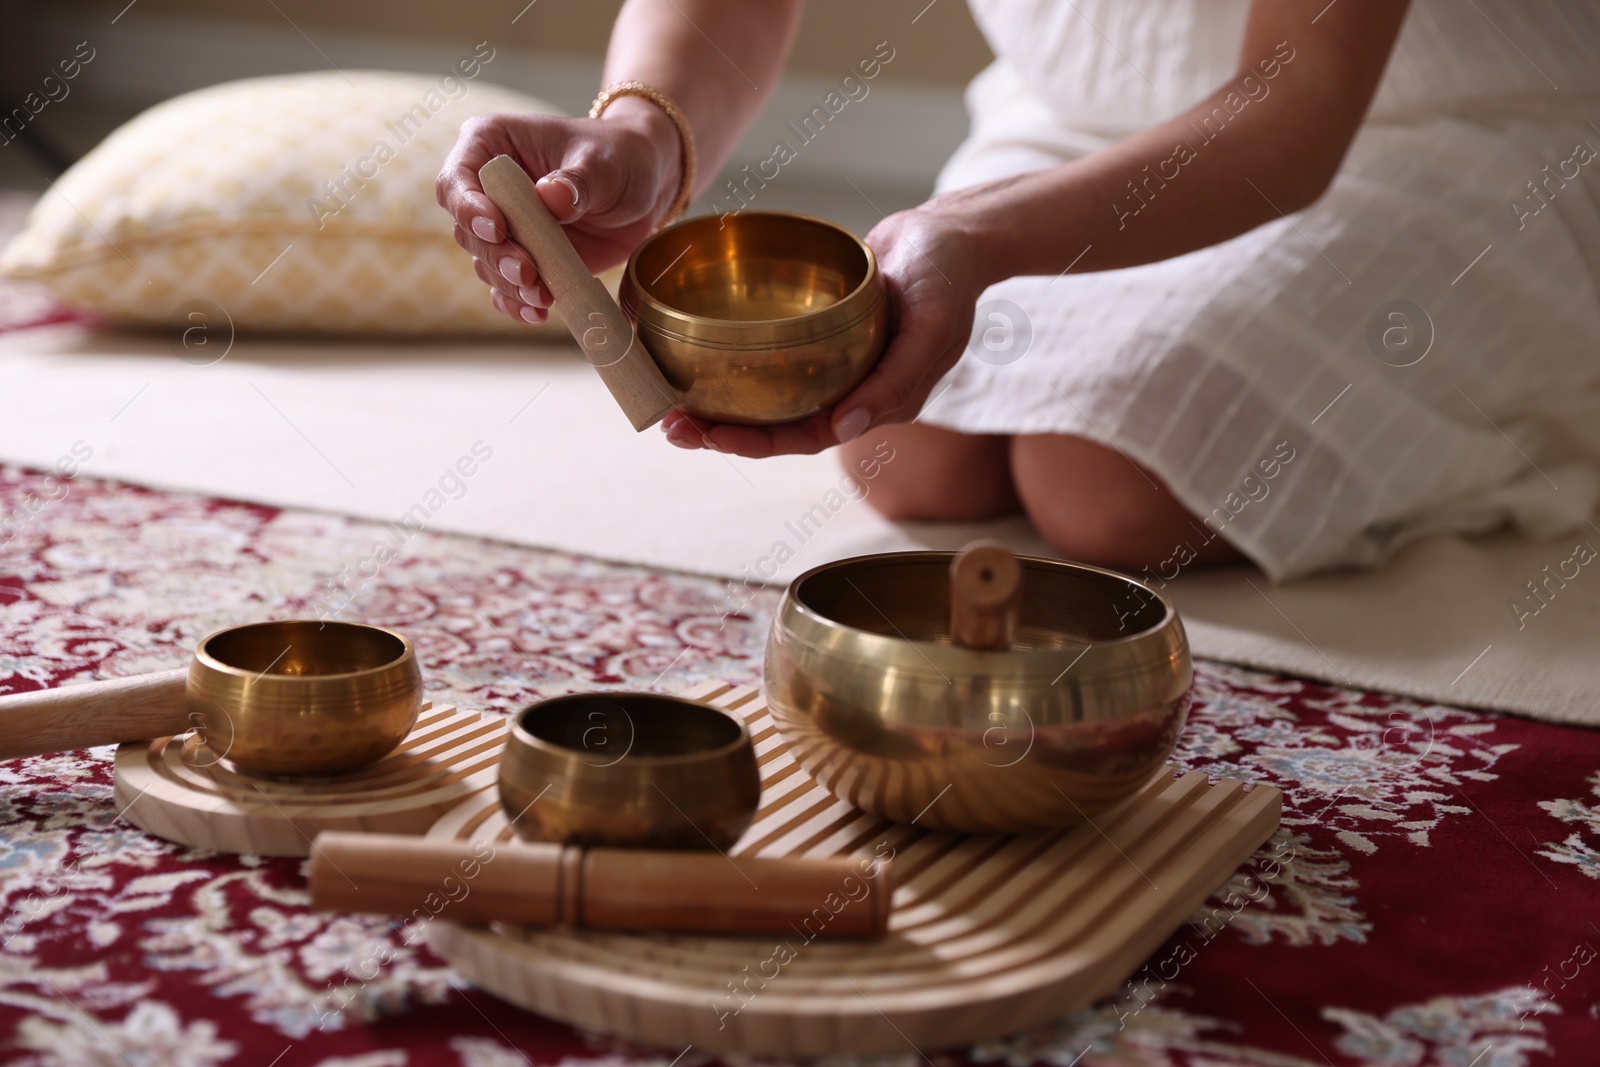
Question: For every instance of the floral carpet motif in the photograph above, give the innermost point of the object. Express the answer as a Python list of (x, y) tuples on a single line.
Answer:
[(1431, 899)]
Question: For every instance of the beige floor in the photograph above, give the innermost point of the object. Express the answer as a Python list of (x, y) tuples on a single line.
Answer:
[(368, 429)]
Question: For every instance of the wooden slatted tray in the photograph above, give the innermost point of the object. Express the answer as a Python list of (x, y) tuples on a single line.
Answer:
[(174, 788), (988, 935)]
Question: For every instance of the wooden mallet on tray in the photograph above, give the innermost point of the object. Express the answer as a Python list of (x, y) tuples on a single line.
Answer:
[(658, 890)]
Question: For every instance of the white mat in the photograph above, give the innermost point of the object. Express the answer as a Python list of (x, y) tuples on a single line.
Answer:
[(371, 429)]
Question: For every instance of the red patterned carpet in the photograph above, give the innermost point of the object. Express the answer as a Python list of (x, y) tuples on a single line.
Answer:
[(1432, 900)]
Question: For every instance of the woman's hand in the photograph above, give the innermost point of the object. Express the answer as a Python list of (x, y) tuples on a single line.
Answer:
[(930, 260), (606, 180)]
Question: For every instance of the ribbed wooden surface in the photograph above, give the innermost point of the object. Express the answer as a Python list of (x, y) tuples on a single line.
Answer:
[(176, 789), (988, 934)]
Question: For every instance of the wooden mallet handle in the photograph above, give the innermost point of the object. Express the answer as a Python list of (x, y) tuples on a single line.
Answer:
[(985, 589), (136, 708), (600, 888), (597, 323)]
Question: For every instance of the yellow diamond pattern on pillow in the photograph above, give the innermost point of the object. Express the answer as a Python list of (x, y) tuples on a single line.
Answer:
[(205, 197)]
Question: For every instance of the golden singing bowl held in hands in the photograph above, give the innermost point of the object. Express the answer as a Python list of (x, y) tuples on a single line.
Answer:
[(303, 697), (631, 770), (757, 318), (874, 700)]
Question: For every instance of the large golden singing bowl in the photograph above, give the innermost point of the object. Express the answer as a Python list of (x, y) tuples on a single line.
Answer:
[(631, 770), (303, 697), (885, 712), (757, 318)]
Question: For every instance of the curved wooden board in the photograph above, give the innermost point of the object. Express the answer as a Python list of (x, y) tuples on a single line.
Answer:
[(988, 935), (173, 788)]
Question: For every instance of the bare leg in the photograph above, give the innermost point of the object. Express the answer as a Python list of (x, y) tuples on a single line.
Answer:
[(1097, 506), (934, 475)]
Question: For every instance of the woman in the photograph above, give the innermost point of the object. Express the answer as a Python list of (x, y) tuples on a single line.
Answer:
[(1300, 280)]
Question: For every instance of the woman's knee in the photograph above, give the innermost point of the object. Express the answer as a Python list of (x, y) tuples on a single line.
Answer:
[(913, 473), (1094, 504)]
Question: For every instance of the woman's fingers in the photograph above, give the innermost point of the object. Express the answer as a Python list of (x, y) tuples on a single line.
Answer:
[(480, 227), (753, 442), (508, 298), (522, 277), (893, 392), (457, 187), (682, 430), (564, 194), (897, 387), (530, 316), (496, 281), (931, 313), (599, 178), (792, 438), (511, 261)]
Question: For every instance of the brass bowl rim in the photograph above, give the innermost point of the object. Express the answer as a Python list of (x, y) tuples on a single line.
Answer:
[(816, 618), (202, 654), (526, 739), (668, 311)]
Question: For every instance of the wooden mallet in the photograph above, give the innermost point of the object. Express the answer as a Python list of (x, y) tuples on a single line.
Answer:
[(538, 884), (597, 323), (985, 592)]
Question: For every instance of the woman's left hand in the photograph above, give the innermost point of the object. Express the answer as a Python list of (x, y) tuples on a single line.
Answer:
[(932, 267)]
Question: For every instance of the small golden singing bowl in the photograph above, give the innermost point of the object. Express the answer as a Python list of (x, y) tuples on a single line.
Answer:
[(874, 700), (303, 697), (631, 770), (757, 318)]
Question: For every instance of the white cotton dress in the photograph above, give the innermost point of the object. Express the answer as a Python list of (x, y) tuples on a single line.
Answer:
[(1206, 366)]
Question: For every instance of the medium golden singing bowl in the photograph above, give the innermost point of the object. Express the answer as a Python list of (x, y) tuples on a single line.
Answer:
[(757, 318), (874, 700), (631, 770), (303, 697)]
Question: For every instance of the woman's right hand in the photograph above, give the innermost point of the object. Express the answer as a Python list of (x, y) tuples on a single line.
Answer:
[(605, 180)]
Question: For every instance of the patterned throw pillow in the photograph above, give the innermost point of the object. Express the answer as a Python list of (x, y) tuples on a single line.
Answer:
[(297, 203)]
